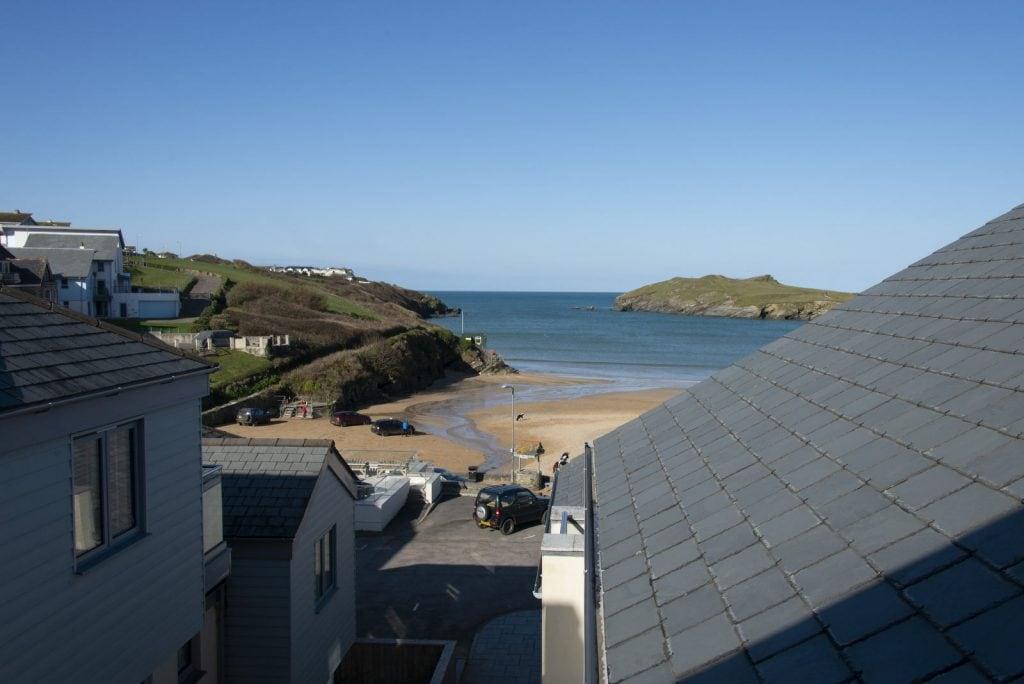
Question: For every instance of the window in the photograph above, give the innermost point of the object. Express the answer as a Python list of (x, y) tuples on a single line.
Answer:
[(64, 283), (66, 304), (99, 266), (106, 487), (324, 565), (524, 498)]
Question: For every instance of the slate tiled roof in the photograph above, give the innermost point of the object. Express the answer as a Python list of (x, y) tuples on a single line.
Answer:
[(49, 355), (568, 488), (70, 263), (106, 246), (846, 502), (267, 483)]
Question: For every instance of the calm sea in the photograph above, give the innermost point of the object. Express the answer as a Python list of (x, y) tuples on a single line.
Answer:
[(556, 332)]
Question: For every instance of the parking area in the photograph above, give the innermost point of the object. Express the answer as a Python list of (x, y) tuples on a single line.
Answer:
[(444, 578)]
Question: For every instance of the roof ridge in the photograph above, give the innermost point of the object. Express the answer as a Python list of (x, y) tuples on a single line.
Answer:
[(267, 441)]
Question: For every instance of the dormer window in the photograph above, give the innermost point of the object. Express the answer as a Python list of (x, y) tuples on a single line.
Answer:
[(99, 266)]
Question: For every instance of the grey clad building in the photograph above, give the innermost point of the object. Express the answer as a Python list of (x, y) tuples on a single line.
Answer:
[(103, 574), (843, 504), (289, 509)]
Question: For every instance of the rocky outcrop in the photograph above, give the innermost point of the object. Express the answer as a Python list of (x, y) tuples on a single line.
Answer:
[(486, 362), (758, 297)]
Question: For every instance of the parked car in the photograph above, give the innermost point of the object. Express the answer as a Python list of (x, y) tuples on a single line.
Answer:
[(507, 507), (391, 426), (252, 416), (346, 418)]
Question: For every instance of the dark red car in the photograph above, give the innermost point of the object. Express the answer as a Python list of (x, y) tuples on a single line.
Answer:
[(346, 418)]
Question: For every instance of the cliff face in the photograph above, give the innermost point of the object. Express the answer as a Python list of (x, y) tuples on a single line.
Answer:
[(715, 295)]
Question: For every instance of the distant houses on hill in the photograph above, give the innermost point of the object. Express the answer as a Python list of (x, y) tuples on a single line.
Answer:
[(324, 271)]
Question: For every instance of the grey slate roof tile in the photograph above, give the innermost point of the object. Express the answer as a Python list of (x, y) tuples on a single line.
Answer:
[(750, 597), (631, 622), (960, 591), (692, 609), (778, 628), (813, 660), (727, 543), (968, 508), (869, 611), (636, 655), (741, 566), (833, 577), (880, 529), (695, 647), (994, 639), (928, 486), (901, 408), (909, 651), (807, 549), (680, 581)]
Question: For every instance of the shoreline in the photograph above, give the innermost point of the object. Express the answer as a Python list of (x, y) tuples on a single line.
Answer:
[(466, 420)]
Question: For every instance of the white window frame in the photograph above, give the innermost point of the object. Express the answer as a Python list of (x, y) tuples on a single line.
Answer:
[(109, 544)]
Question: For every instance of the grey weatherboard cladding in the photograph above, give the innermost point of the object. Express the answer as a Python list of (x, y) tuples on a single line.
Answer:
[(844, 503)]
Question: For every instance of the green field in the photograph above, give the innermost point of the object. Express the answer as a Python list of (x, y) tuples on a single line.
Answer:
[(149, 276), (238, 275), (236, 365)]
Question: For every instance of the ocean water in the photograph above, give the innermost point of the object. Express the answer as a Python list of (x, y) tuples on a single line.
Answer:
[(555, 332)]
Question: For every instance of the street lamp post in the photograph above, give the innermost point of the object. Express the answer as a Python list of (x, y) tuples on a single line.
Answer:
[(513, 389)]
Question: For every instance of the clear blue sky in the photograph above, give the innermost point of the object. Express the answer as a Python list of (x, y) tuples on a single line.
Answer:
[(534, 146)]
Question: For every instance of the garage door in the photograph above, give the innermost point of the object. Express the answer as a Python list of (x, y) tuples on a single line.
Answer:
[(164, 309)]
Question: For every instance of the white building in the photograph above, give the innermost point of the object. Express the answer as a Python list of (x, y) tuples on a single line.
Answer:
[(89, 266)]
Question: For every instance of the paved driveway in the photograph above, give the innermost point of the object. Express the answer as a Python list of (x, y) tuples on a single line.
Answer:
[(444, 578)]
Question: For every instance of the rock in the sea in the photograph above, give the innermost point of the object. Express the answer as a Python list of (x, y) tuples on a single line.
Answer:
[(716, 295)]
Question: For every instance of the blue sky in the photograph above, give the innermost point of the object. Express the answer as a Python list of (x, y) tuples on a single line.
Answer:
[(522, 146)]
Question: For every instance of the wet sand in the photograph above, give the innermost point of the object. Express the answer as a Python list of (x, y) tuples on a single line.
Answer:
[(466, 420)]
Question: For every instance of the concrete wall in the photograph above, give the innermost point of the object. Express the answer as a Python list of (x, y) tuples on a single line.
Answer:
[(257, 627), (562, 621), (321, 636), (119, 619)]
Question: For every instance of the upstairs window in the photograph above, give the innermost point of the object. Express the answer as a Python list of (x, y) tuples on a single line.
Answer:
[(324, 565), (64, 283), (99, 266), (106, 486)]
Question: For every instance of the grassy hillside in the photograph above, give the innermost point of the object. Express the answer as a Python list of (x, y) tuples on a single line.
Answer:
[(349, 342), (152, 276), (758, 297)]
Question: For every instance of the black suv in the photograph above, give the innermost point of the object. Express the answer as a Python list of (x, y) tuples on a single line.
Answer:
[(252, 416), (506, 507), (391, 426)]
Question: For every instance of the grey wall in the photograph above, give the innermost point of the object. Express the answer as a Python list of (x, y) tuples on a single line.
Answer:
[(321, 639), (125, 615), (256, 629)]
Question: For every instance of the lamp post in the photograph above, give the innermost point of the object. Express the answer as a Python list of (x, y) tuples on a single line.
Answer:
[(513, 389)]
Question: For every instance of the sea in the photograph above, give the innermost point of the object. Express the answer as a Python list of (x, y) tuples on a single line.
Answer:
[(578, 334)]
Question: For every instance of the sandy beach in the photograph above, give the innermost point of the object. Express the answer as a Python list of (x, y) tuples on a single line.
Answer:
[(566, 424), (462, 419)]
